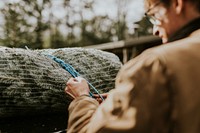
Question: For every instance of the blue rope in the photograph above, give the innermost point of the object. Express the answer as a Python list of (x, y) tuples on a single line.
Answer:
[(73, 72)]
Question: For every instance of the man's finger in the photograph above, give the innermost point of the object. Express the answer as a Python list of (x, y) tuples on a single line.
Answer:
[(70, 94), (104, 95)]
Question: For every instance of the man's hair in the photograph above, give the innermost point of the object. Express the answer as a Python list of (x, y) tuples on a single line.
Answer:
[(166, 2), (196, 3)]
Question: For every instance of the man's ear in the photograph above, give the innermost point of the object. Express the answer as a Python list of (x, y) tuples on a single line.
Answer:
[(178, 4)]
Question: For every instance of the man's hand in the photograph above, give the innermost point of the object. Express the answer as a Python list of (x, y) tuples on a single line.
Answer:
[(98, 98), (77, 87)]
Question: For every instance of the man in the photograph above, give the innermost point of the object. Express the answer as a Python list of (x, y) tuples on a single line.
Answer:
[(156, 92)]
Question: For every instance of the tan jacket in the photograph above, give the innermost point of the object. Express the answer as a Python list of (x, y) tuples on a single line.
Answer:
[(156, 92)]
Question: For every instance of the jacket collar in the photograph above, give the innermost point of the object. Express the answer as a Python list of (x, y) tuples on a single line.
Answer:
[(186, 30)]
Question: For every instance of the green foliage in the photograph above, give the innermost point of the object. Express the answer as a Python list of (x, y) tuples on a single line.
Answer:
[(35, 24), (144, 27)]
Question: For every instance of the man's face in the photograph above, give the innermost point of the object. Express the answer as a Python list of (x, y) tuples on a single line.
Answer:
[(164, 19)]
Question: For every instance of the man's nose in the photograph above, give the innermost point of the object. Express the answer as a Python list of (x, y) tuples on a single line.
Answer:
[(155, 30)]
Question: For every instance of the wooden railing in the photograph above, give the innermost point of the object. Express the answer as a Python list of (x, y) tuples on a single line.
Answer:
[(127, 50)]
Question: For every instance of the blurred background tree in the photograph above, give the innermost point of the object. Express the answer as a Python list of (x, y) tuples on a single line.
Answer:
[(62, 23)]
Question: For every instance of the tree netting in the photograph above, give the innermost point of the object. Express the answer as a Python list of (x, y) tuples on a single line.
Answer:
[(32, 83)]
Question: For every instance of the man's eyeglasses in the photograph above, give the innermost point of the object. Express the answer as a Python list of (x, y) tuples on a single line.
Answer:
[(152, 18)]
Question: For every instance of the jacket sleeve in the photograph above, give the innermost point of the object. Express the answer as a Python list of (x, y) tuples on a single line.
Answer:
[(140, 102), (80, 112)]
